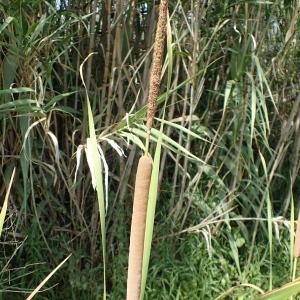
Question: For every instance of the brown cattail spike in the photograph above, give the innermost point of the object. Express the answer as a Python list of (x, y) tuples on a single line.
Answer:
[(136, 249), (157, 61)]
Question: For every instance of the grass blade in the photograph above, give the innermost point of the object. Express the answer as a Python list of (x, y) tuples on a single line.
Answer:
[(151, 212), (4, 207), (269, 215), (97, 173), (7, 21), (46, 279), (282, 293)]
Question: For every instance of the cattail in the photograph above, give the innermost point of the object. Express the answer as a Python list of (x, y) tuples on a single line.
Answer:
[(297, 239), (143, 176), (136, 249)]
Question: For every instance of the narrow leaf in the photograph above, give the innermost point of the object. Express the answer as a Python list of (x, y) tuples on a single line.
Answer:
[(37, 289), (4, 207)]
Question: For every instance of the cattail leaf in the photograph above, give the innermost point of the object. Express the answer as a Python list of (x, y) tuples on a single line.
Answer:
[(17, 90), (283, 293), (253, 106), (269, 215), (187, 131), (10, 66), (115, 146), (151, 212), (90, 161), (78, 159), (292, 235), (20, 106), (237, 287), (7, 21), (97, 171), (37, 289), (228, 90), (263, 79), (55, 143), (134, 139), (58, 98), (105, 165)]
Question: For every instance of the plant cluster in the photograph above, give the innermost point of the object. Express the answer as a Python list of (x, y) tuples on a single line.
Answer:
[(74, 82)]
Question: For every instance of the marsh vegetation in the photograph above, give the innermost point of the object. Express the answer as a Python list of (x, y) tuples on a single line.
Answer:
[(225, 141)]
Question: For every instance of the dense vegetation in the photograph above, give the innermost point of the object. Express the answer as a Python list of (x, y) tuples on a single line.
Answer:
[(229, 185)]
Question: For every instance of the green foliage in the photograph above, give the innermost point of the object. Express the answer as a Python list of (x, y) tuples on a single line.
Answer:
[(228, 174)]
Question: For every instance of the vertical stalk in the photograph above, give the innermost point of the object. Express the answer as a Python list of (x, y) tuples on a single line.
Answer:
[(144, 171)]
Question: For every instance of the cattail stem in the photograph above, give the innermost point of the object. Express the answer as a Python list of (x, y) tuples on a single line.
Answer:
[(148, 134), (137, 235)]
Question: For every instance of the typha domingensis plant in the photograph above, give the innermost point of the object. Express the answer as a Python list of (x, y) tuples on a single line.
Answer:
[(144, 170)]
